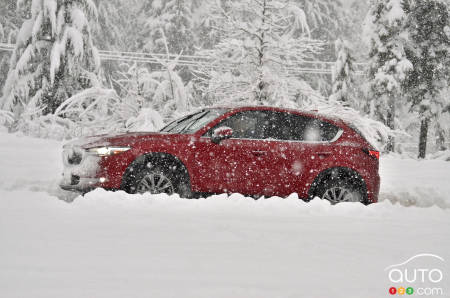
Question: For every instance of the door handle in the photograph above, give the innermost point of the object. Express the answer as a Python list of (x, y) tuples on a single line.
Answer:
[(259, 152), (323, 154)]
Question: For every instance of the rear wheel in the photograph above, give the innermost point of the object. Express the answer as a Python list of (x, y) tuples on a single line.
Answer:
[(340, 190)]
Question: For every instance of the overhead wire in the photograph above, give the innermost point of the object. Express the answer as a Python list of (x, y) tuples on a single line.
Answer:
[(198, 61)]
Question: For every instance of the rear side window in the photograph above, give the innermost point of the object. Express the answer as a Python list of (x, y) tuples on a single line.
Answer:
[(307, 129), (327, 131)]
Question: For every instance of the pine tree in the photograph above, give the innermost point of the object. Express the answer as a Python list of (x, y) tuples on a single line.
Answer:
[(9, 27), (343, 73), (428, 26), (389, 65), (54, 57), (327, 18), (262, 43), (354, 34), (174, 18), (116, 31), (204, 24)]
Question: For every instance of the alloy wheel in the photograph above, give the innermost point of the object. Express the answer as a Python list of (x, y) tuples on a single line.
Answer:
[(340, 194), (155, 183)]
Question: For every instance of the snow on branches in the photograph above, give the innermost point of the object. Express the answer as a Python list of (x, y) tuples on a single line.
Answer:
[(343, 74), (54, 57), (262, 44)]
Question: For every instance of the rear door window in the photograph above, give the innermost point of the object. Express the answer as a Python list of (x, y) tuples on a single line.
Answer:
[(294, 127)]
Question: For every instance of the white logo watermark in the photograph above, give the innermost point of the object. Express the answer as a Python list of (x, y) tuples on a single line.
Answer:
[(417, 276)]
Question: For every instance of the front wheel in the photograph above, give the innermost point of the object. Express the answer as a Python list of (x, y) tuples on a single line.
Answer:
[(158, 179), (155, 181)]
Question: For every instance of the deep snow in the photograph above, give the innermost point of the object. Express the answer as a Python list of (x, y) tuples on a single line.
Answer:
[(117, 245)]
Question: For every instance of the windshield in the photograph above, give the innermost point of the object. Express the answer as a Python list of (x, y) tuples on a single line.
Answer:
[(193, 122)]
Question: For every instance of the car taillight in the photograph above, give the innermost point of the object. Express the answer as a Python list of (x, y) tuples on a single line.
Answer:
[(372, 153)]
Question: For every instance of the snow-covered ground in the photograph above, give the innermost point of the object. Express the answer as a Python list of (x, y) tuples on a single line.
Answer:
[(117, 245)]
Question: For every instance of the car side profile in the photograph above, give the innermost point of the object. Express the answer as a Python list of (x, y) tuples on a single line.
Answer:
[(257, 151)]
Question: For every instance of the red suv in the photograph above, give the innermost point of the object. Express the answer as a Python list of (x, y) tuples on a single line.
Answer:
[(257, 151)]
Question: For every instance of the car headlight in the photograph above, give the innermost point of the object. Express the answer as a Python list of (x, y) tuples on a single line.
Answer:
[(107, 151)]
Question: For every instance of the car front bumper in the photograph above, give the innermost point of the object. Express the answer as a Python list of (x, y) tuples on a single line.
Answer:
[(81, 170), (82, 185)]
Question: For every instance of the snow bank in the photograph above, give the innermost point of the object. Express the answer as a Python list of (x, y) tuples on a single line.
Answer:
[(117, 245), (421, 183), (29, 163)]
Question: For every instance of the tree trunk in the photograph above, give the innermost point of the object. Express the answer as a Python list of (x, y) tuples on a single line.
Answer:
[(440, 138), (261, 51), (423, 137), (390, 122)]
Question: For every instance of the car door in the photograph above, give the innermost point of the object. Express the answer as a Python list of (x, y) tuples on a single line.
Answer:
[(297, 146), (285, 161), (233, 165)]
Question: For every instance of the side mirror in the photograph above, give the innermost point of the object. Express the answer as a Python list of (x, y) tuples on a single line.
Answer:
[(221, 133)]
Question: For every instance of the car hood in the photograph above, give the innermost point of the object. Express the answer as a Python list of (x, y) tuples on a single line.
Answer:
[(120, 139)]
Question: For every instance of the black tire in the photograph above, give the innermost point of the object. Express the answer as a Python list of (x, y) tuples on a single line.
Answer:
[(163, 175), (343, 189)]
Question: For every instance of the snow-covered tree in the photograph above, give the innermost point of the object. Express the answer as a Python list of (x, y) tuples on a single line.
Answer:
[(389, 65), (354, 34), (326, 18), (428, 26), (343, 75), (263, 42), (10, 22), (54, 57), (174, 18), (204, 24), (115, 30), (161, 90), (116, 25)]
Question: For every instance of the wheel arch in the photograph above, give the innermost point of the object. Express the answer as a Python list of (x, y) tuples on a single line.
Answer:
[(337, 173), (154, 158)]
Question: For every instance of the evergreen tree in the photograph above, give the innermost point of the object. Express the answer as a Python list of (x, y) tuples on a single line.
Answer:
[(174, 18), (115, 31), (262, 42), (116, 25), (326, 18), (389, 65), (9, 27), (428, 26), (354, 34), (54, 56), (343, 73), (169, 21), (204, 24)]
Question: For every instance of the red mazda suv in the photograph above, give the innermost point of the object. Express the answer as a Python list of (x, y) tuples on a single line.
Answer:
[(256, 151)]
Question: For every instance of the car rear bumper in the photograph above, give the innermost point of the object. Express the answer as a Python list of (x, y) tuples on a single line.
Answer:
[(373, 188)]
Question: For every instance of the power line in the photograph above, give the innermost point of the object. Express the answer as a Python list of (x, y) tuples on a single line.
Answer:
[(198, 61)]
